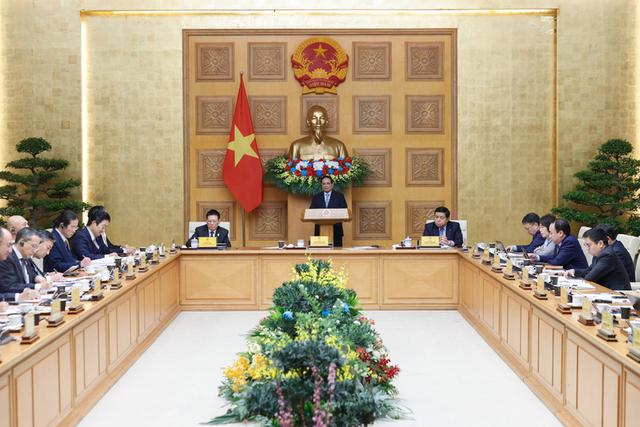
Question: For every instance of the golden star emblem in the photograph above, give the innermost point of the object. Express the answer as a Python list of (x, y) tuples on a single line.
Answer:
[(241, 145), (320, 51)]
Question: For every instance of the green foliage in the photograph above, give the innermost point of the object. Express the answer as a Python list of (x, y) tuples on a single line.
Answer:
[(608, 191), (276, 173), (314, 344), (33, 190)]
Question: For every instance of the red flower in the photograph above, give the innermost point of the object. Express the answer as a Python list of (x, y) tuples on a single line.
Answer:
[(298, 173), (335, 172), (348, 159)]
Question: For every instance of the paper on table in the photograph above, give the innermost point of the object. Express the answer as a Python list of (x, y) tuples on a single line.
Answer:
[(103, 262)]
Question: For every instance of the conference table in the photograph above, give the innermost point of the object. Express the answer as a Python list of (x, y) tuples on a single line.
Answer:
[(583, 379)]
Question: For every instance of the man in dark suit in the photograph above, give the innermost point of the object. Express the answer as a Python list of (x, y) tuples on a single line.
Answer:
[(531, 224), (329, 199), (622, 252), (61, 258), (85, 242), (449, 231), (606, 269), (212, 229), (567, 253), (17, 273), (106, 247)]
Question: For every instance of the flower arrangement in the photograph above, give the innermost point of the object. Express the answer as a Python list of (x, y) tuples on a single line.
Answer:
[(315, 360), (302, 176)]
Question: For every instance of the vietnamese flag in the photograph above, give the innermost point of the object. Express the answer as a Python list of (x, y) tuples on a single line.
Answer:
[(242, 169)]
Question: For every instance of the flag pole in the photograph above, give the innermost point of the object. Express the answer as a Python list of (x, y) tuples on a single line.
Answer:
[(244, 239)]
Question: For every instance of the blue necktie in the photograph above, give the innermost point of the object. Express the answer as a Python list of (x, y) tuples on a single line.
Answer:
[(326, 199), (442, 232)]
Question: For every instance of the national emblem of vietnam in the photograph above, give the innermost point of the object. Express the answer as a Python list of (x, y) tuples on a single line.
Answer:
[(319, 64)]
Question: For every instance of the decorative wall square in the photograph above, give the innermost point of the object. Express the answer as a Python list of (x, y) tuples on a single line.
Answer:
[(268, 222), (267, 61), (379, 161), (214, 114), (214, 61), (372, 61), (210, 167), (424, 60), (425, 166), (269, 114), (227, 213), (371, 114), (329, 102), (372, 220), (417, 214), (424, 114)]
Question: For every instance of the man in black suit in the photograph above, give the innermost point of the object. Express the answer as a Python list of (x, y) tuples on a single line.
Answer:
[(620, 250), (329, 199), (105, 244), (606, 269), (212, 229), (85, 243), (449, 232), (18, 278)]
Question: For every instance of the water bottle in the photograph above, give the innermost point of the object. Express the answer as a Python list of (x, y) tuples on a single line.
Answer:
[(194, 243)]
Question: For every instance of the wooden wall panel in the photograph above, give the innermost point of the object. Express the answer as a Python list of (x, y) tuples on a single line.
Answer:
[(430, 281), (44, 385), (90, 352), (593, 383), (122, 317), (5, 401), (547, 337), (412, 105)]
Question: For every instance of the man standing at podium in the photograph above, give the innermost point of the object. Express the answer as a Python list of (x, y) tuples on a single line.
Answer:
[(329, 199)]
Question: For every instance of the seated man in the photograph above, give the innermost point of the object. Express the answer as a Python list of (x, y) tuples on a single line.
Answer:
[(105, 244), (567, 253), (548, 247), (449, 232), (605, 269), (329, 199), (212, 229), (620, 250), (46, 243), (531, 224), (16, 223), (17, 272), (85, 242), (61, 258)]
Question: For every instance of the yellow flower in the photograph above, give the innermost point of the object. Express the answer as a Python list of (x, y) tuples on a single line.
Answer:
[(237, 373)]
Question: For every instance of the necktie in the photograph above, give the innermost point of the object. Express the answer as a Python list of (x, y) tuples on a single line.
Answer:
[(556, 250), (441, 232), (25, 272), (210, 233), (326, 199), (66, 243)]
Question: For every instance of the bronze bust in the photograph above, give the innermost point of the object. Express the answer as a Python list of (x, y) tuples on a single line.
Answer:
[(317, 145)]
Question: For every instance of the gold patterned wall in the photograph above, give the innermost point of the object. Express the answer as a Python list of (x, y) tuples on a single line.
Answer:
[(506, 95), (396, 109)]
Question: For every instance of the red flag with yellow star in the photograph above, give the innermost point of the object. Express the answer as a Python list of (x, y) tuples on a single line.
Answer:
[(242, 169)]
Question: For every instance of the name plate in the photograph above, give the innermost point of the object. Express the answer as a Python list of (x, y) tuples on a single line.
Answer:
[(607, 321), (29, 324), (55, 307), (207, 242), (586, 308), (430, 241), (564, 296), (75, 296), (635, 343), (311, 214), (319, 240)]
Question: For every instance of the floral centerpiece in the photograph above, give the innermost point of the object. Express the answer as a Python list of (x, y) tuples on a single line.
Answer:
[(301, 176), (315, 360)]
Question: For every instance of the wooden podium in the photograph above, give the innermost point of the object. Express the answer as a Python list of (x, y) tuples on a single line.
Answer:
[(326, 218)]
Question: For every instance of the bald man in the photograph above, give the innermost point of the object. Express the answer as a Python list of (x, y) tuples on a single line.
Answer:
[(16, 223), (8, 290)]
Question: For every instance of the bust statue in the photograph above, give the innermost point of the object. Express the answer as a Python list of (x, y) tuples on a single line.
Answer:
[(317, 145)]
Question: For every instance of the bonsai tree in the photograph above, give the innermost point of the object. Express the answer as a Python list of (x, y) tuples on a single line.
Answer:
[(36, 193), (608, 191)]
